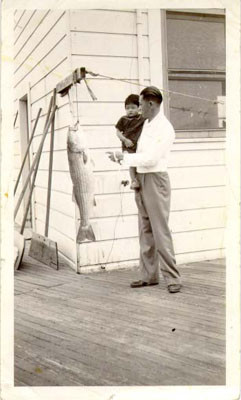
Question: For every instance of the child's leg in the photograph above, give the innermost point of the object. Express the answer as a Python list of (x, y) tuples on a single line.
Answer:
[(134, 181)]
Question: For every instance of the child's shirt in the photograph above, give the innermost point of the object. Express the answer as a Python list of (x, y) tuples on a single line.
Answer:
[(131, 128)]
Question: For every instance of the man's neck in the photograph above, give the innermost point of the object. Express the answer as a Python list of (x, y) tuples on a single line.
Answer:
[(155, 112)]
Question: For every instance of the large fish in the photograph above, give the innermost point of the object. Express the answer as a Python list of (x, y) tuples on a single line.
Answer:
[(82, 179)]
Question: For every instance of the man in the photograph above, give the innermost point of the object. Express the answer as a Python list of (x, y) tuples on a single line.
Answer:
[(153, 198)]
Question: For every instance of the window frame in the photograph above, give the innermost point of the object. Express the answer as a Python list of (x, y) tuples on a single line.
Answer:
[(194, 74)]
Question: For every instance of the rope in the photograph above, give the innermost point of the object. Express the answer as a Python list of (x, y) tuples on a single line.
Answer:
[(164, 90), (116, 221), (77, 104)]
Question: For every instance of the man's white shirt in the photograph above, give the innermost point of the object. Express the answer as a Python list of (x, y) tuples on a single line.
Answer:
[(153, 147)]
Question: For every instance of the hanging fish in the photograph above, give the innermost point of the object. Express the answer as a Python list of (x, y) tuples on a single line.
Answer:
[(82, 179)]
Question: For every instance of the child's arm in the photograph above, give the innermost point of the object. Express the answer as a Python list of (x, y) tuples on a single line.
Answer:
[(127, 142)]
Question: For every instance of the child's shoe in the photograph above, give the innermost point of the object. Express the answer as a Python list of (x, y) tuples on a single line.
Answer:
[(135, 184)]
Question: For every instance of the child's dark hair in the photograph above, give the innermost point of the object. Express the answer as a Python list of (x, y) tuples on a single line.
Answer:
[(132, 99)]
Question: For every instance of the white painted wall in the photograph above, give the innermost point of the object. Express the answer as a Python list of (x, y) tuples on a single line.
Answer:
[(105, 42), (41, 61), (50, 44)]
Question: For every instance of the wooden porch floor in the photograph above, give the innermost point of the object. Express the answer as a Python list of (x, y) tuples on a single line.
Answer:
[(95, 330)]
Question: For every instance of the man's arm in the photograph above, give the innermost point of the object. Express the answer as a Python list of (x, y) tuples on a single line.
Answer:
[(152, 154)]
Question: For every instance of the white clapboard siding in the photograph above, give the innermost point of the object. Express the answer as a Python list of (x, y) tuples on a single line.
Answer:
[(180, 221), (90, 114), (61, 202), (61, 181), (195, 256), (107, 44), (16, 146), (57, 220), (18, 17), (30, 30), (66, 246), (115, 67), (109, 182), (22, 26), (106, 21), (50, 28), (60, 141), (106, 90), (101, 161), (127, 249), (181, 199), (48, 83), (124, 203), (41, 54), (104, 137), (40, 65)]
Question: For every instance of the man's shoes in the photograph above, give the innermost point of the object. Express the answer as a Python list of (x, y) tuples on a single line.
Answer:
[(140, 283), (174, 288)]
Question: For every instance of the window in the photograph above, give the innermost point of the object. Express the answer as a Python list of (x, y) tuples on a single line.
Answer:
[(196, 67)]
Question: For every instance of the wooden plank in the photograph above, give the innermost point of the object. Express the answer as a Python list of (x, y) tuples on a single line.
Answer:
[(110, 182), (42, 64), (110, 205), (94, 323), (117, 227), (207, 355), (38, 371), (33, 25), (101, 44), (116, 67), (66, 244), (104, 137), (38, 89), (99, 284), (177, 159), (19, 32), (200, 256), (127, 248), (48, 33), (58, 220), (67, 330), (61, 202), (106, 345), (117, 342), (17, 18), (105, 21)]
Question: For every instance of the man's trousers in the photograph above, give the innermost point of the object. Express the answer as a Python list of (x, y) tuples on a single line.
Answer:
[(156, 246)]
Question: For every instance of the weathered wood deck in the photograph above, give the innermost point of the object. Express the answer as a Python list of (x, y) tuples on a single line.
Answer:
[(95, 330)]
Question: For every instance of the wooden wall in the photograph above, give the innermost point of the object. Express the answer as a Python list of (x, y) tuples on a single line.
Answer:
[(41, 61), (50, 44), (105, 42)]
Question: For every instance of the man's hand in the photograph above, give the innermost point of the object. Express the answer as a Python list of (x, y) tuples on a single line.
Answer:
[(128, 143), (116, 156)]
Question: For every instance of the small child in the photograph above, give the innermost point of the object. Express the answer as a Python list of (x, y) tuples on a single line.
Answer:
[(128, 130)]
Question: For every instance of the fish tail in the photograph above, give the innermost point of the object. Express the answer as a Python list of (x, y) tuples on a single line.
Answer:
[(85, 233)]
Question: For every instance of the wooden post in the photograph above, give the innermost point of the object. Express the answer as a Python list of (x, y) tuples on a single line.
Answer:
[(51, 151), (34, 162), (27, 151), (158, 53)]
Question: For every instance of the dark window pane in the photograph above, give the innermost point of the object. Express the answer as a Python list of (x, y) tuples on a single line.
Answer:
[(195, 44), (191, 113)]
